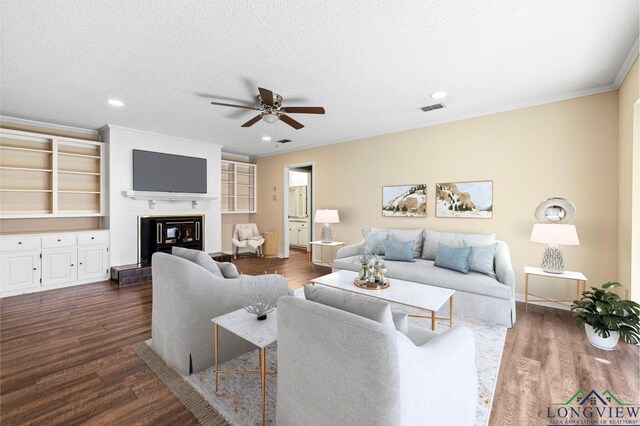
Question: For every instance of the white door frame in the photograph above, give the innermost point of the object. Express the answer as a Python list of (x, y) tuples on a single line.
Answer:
[(635, 206), (285, 203)]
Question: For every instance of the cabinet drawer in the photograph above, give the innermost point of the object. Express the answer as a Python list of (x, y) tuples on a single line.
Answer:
[(19, 243), (93, 238), (62, 240)]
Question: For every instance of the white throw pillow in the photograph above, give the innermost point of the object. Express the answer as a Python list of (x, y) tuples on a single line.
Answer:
[(245, 233), (451, 239)]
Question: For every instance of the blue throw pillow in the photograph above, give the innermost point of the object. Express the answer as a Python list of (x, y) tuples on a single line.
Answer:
[(482, 257), (375, 240), (455, 258), (399, 251)]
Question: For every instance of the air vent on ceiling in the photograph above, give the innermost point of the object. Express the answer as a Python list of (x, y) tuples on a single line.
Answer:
[(284, 141), (432, 107)]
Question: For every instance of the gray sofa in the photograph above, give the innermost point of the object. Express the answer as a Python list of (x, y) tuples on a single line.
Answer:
[(186, 297), (477, 295), (339, 368)]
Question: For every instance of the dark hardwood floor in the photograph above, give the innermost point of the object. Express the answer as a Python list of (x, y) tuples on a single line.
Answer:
[(66, 357)]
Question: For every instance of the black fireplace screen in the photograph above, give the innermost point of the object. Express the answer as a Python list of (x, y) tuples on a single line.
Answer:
[(161, 233)]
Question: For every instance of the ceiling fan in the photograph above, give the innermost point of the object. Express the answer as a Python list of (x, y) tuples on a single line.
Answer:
[(271, 110)]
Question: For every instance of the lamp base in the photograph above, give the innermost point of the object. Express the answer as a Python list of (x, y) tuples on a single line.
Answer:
[(326, 233), (552, 261)]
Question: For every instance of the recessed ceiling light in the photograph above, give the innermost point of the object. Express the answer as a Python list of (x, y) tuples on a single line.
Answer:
[(115, 102), (439, 95), (266, 138)]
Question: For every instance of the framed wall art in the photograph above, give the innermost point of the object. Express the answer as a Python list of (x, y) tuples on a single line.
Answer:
[(465, 199), (404, 201)]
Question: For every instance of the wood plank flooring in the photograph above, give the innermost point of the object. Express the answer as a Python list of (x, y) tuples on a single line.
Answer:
[(66, 357)]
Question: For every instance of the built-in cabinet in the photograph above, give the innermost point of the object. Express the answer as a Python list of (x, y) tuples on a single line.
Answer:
[(50, 176), (38, 262), (298, 233), (238, 187)]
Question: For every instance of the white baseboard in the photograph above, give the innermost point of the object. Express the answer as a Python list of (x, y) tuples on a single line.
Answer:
[(520, 298)]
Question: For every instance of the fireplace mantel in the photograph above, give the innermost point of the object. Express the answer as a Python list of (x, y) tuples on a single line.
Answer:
[(154, 197)]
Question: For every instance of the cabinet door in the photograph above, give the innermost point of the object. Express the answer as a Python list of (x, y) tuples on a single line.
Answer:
[(93, 262), (293, 235), (59, 266), (303, 236), (20, 270)]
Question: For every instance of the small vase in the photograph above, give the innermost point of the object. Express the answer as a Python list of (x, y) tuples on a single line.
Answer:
[(604, 343), (262, 317)]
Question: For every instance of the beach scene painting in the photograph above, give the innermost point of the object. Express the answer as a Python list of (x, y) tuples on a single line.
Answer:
[(404, 201), (465, 199)]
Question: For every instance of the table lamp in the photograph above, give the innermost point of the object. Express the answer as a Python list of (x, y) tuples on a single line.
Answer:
[(554, 235), (326, 217)]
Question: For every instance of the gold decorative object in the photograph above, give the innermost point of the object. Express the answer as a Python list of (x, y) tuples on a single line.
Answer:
[(371, 285)]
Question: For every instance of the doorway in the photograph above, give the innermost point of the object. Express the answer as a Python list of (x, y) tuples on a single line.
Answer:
[(298, 203)]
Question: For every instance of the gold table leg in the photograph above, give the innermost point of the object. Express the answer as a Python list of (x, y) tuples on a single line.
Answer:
[(215, 350), (451, 311), (262, 383), (526, 293), (433, 320)]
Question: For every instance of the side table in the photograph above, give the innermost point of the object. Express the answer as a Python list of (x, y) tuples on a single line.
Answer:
[(322, 245), (578, 277), (260, 333), (270, 244)]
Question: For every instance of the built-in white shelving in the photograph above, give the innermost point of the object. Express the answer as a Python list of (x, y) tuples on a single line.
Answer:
[(238, 187), (50, 176)]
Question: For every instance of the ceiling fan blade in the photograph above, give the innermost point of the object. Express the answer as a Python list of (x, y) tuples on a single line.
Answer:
[(291, 122), (303, 110), (266, 95), (253, 121), (235, 106)]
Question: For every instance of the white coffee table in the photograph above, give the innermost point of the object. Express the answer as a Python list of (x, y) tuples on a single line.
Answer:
[(260, 333), (414, 295)]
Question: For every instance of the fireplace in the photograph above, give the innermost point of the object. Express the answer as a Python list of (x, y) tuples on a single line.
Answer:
[(161, 233)]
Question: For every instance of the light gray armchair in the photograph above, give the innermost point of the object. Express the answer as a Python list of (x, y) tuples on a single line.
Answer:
[(185, 298), (338, 368), (246, 235)]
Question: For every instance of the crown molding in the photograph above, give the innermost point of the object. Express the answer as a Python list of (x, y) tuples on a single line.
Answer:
[(632, 54), (450, 119), (52, 126)]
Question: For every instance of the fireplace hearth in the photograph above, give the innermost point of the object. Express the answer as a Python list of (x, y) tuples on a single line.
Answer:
[(161, 233)]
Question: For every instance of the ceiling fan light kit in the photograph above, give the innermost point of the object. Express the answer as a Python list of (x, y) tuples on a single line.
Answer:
[(271, 110)]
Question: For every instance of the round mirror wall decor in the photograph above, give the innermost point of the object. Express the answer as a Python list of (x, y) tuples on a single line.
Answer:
[(556, 210)]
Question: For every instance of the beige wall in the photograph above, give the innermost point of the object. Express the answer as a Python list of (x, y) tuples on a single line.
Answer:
[(228, 222), (629, 93), (565, 149)]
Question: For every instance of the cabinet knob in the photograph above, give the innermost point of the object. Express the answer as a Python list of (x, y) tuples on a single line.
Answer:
[(93, 238), (19, 242), (80, 263), (35, 269), (59, 240), (72, 264)]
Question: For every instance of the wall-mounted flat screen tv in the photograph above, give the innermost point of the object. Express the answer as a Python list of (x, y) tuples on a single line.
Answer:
[(159, 172)]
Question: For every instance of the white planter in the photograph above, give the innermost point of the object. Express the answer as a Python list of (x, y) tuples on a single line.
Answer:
[(607, 344)]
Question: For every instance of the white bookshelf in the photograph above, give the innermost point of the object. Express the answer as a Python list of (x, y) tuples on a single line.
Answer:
[(238, 187), (50, 176)]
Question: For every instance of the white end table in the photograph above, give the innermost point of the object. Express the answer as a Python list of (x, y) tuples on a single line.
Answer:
[(578, 277), (260, 333), (322, 245)]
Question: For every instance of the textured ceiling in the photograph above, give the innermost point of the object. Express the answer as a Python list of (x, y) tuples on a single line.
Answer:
[(371, 64)]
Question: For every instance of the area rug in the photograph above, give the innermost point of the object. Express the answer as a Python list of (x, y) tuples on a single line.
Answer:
[(237, 401)]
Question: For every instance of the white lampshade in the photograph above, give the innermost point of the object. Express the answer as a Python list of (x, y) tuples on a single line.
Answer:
[(327, 216), (554, 234), (270, 118)]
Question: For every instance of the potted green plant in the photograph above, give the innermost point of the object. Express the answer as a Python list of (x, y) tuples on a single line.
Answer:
[(607, 317)]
